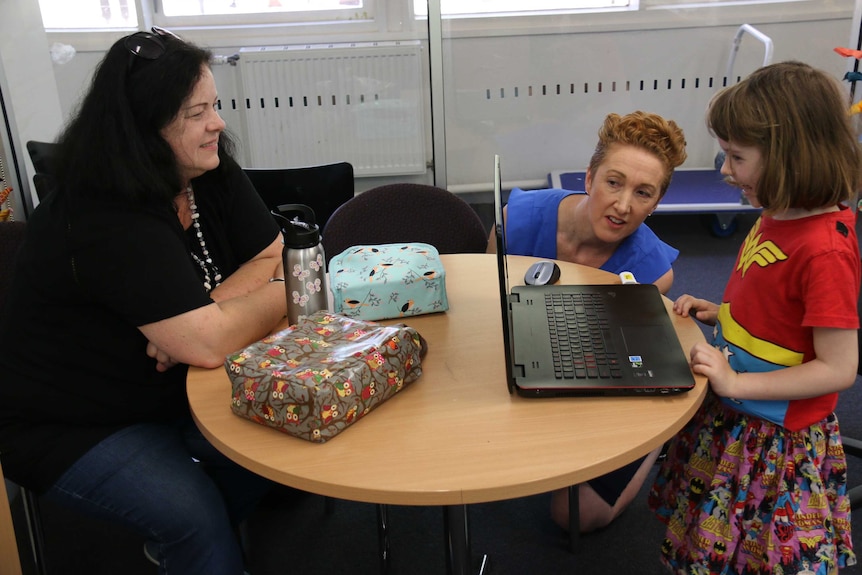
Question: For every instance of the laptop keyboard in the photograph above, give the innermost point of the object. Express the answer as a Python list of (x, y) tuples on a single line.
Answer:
[(578, 325)]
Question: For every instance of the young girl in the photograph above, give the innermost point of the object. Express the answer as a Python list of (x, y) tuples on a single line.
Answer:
[(756, 482)]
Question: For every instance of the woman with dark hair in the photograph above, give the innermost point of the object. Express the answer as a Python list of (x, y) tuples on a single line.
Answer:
[(152, 254)]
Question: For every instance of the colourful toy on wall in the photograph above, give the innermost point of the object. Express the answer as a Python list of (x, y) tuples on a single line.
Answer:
[(851, 76), (5, 213)]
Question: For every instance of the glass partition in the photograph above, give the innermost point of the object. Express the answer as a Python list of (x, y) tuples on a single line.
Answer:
[(534, 87)]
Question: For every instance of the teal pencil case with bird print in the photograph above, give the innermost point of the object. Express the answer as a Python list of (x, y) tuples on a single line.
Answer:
[(387, 281)]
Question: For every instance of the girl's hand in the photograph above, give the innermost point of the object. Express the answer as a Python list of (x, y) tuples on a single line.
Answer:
[(709, 361), (700, 309)]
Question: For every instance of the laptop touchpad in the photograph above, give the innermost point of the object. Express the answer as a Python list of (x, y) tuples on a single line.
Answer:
[(647, 341)]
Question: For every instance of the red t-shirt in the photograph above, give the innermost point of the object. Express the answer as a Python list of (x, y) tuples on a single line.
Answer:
[(790, 277)]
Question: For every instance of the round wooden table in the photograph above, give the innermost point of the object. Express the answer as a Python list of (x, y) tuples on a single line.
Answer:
[(456, 436)]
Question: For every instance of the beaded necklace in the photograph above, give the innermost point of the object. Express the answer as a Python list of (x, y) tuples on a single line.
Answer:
[(210, 270)]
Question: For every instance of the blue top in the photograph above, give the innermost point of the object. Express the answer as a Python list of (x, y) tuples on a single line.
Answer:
[(531, 230)]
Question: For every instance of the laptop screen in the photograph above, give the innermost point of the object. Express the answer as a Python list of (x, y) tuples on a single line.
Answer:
[(502, 272)]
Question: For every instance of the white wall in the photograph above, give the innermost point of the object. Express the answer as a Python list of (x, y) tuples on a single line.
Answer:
[(29, 88), (598, 73), (539, 133)]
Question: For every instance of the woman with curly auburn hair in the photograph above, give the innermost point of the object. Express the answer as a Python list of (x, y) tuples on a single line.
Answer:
[(603, 227)]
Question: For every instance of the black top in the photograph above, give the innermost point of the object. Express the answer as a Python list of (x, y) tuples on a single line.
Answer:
[(73, 362)]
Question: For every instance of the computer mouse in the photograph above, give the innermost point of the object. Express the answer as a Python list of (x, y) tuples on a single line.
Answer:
[(542, 273)]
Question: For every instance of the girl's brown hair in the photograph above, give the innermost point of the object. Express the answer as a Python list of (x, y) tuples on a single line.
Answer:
[(797, 117)]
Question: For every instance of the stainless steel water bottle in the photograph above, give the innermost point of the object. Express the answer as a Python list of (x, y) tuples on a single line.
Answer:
[(304, 261)]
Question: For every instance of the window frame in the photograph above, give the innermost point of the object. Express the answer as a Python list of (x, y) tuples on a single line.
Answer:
[(394, 20), (599, 6), (277, 18), (651, 16)]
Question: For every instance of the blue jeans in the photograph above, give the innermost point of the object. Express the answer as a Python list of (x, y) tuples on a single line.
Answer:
[(145, 477)]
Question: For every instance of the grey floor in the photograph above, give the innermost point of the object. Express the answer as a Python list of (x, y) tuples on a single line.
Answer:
[(294, 534)]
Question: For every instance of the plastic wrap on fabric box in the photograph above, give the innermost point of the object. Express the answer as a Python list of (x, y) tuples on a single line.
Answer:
[(388, 281), (318, 377)]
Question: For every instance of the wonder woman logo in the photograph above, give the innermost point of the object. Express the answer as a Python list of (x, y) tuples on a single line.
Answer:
[(756, 252)]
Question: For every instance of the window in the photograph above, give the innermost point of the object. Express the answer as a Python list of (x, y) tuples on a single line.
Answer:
[(204, 7), (279, 19), (67, 14), (461, 8), (266, 12), (112, 14), (516, 7)]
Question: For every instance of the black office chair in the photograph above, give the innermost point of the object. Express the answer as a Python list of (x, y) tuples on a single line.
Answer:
[(43, 155), (406, 213), (853, 447), (11, 238), (322, 188)]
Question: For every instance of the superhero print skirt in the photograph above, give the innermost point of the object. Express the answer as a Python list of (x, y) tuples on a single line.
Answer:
[(743, 496)]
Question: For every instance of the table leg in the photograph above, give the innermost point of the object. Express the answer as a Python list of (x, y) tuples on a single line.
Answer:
[(459, 558), (457, 527), (383, 537), (574, 519)]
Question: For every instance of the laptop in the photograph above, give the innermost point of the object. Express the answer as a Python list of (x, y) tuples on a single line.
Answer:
[(586, 340)]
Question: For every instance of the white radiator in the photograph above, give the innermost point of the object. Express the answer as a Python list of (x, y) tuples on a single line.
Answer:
[(317, 104)]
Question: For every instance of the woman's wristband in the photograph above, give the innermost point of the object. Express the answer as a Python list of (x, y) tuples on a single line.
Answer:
[(276, 280)]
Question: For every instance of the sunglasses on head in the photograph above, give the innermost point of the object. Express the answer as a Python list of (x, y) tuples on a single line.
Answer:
[(147, 45)]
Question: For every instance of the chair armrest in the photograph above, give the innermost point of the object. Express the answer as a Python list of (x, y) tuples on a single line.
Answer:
[(852, 446)]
